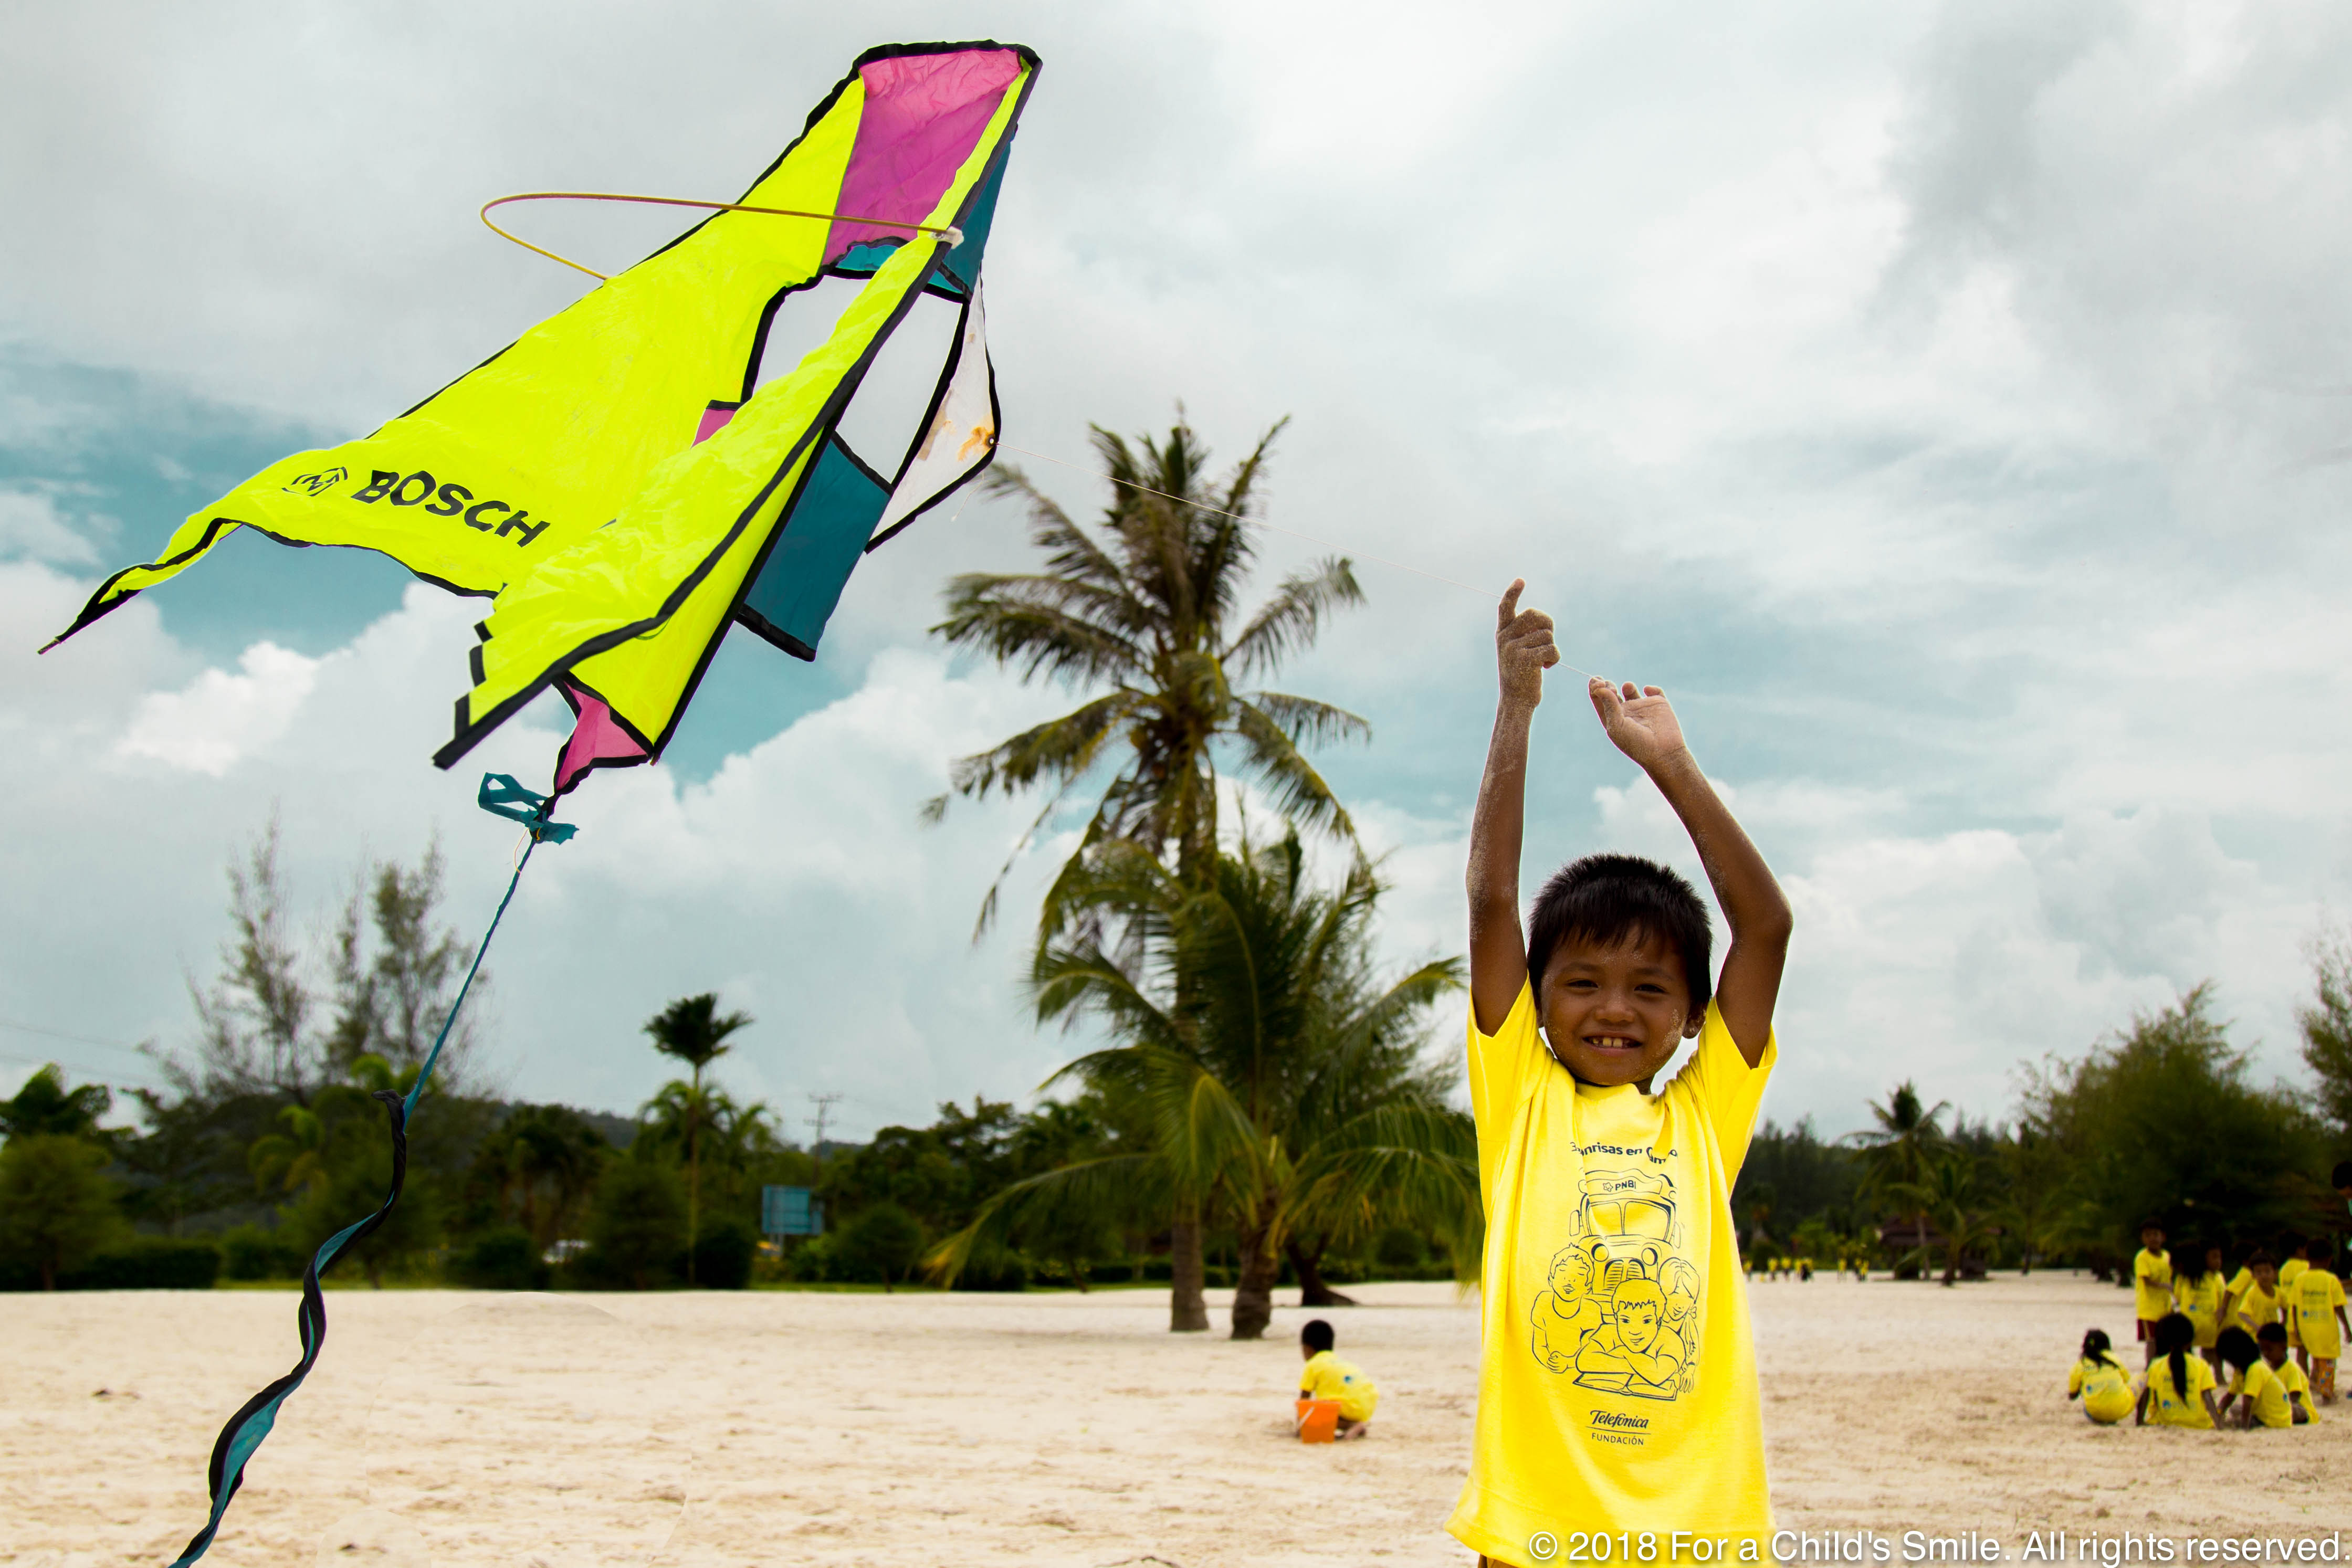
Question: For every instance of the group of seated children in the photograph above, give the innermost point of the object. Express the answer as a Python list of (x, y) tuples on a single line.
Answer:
[(2196, 1328), (2265, 1389)]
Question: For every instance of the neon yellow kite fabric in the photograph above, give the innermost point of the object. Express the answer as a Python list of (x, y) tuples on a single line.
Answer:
[(617, 477)]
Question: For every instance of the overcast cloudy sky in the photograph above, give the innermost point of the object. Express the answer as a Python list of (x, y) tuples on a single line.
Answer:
[(1949, 405)]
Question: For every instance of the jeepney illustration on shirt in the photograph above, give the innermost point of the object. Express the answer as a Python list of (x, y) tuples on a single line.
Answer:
[(1620, 1310)]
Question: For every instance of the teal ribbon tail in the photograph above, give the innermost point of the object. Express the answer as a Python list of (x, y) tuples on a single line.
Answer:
[(252, 1423)]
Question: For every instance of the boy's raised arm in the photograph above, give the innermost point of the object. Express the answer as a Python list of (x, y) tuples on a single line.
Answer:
[(1646, 729), (1499, 948)]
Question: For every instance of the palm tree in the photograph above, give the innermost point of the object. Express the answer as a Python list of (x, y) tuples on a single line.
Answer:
[(693, 1029), (1283, 1081), (1899, 1151), (1946, 1192), (1144, 615)]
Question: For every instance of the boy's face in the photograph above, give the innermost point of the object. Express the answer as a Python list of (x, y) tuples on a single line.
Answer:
[(2152, 1238), (2266, 1275), (2274, 1352), (1615, 1015)]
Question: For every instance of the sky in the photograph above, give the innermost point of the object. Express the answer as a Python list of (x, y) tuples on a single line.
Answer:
[(1948, 405)]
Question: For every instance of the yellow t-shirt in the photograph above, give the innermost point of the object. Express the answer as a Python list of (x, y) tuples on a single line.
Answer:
[(2170, 1407), (2151, 1284), (2288, 1274), (2200, 1302), (1617, 1376), (2267, 1388), (2317, 1294), (2105, 1388), (2258, 1307), (1325, 1376)]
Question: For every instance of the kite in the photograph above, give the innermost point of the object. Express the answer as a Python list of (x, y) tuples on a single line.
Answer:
[(656, 463), (641, 471)]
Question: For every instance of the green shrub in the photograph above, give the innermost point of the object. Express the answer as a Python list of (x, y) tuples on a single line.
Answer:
[(1398, 1248), (882, 1243), (992, 1266), (249, 1252), (150, 1263), (637, 1223), (57, 1206), (722, 1255), (503, 1260)]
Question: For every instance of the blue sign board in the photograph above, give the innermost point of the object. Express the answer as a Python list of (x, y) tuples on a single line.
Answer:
[(791, 1211)]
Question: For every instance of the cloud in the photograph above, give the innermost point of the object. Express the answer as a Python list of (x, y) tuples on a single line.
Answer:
[(221, 717), (32, 528)]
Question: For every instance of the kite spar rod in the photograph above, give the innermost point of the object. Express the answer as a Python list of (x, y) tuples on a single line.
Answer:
[(949, 232)]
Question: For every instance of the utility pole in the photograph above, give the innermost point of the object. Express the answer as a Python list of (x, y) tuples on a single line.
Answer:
[(824, 1104)]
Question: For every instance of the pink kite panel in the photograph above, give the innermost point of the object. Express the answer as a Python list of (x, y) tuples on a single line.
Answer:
[(595, 737), (923, 115)]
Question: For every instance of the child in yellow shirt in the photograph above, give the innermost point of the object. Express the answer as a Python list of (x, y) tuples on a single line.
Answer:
[(2254, 1295), (2179, 1386), (2316, 1306), (1652, 1421), (2268, 1389), (2151, 1284), (1325, 1376), (2198, 1287), (2100, 1382), (2289, 1271)]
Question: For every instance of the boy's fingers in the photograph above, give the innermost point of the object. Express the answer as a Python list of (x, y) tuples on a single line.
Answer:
[(1551, 656), (1629, 691), (1509, 607), (1652, 691)]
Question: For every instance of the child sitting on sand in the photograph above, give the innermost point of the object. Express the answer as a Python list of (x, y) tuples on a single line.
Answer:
[(2316, 1306), (2179, 1386), (1639, 1407), (2100, 1382), (2269, 1389), (1325, 1376)]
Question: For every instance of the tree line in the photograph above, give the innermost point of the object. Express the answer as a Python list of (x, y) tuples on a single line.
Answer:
[(2161, 1120)]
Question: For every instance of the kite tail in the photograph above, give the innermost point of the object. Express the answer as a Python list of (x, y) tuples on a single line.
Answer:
[(244, 1433)]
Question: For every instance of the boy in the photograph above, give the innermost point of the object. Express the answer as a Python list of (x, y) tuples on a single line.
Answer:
[(2317, 1309), (2253, 1294), (2151, 1283), (2271, 1390), (1652, 1422), (1325, 1376), (2289, 1271)]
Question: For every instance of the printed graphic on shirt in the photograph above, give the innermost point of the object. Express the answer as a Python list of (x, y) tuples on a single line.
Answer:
[(1619, 1313)]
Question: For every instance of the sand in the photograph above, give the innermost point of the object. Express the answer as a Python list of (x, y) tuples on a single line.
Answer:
[(784, 1427)]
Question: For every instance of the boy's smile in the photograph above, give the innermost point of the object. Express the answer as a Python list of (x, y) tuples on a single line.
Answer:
[(1615, 1015)]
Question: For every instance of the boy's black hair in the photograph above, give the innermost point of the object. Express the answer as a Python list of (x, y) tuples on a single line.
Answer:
[(2153, 1224), (2270, 1334), (2319, 1249), (2195, 1267), (2237, 1347), (2260, 1257), (1317, 1335), (2096, 1346), (1613, 899)]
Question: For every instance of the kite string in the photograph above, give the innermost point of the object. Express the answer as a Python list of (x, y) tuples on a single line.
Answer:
[(1260, 523)]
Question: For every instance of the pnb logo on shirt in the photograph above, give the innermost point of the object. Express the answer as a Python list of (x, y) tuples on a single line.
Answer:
[(318, 484)]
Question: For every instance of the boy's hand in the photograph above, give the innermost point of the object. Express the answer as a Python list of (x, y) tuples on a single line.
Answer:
[(1644, 727), (1523, 647)]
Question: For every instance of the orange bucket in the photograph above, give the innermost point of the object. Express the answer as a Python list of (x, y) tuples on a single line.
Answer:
[(1319, 1420)]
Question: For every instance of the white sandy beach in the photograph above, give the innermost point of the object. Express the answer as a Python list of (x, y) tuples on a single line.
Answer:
[(775, 1428)]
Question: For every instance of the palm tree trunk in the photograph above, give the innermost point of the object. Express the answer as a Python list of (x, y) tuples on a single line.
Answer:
[(694, 1177), (1312, 1291), (1187, 1307), (1254, 1287)]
